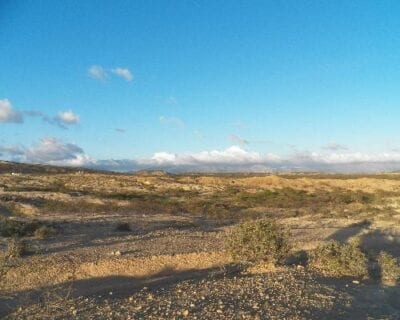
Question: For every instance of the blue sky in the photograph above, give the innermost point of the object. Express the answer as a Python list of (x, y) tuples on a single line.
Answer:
[(270, 77)]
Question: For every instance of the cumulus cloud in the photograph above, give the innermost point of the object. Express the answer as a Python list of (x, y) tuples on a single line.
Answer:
[(232, 155), (335, 147), (8, 114), (238, 140), (232, 159), (67, 117), (47, 151), (97, 72), (123, 73), (172, 121), (51, 149), (62, 120), (236, 159)]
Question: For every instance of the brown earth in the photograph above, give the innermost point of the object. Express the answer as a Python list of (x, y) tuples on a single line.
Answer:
[(172, 264)]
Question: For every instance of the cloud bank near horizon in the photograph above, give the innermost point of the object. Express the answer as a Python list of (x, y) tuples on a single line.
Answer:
[(233, 159)]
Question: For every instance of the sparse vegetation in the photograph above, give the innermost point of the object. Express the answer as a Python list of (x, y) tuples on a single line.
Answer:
[(16, 248), (340, 260), (22, 228), (180, 222), (388, 268), (258, 241), (292, 198), (44, 232)]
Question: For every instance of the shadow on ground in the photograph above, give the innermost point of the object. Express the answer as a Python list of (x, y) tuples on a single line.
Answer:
[(101, 287), (90, 234)]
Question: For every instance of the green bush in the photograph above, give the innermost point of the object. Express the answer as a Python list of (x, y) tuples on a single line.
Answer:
[(389, 269), (339, 260), (258, 241)]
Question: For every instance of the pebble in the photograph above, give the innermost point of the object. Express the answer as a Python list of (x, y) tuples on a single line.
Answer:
[(185, 313)]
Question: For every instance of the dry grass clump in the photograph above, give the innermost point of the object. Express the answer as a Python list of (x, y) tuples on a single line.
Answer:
[(388, 268), (258, 241), (16, 248), (339, 260), (21, 228), (44, 232)]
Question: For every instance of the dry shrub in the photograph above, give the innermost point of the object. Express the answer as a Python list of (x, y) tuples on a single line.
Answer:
[(339, 260), (44, 232), (16, 248), (258, 241), (388, 267), (21, 228)]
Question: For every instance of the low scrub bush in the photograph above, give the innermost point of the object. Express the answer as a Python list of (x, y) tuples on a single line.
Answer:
[(21, 228), (44, 232), (16, 248), (388, 268), (339, 260), (258, 241)]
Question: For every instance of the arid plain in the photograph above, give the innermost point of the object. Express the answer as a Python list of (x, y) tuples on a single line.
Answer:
[(151, 245)]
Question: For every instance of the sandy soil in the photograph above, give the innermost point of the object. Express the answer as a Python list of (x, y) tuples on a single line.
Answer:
[(172, 265)]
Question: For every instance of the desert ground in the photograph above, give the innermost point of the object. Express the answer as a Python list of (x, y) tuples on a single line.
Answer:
[(79, 244)]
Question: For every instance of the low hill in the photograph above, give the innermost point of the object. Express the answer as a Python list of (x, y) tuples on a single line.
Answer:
[(18, 168)]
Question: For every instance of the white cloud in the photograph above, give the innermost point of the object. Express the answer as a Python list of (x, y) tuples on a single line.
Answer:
[(344, 158), (124, 73), (164, 158), (50, 149), (232, 155), (236, 159), (67, 117), (63, 118), (97, 72), (172, 121), (232, 159), (100, 73), (80, 160), (8, 114)]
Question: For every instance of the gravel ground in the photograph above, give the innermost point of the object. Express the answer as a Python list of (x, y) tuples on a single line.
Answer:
[(291, 293)]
